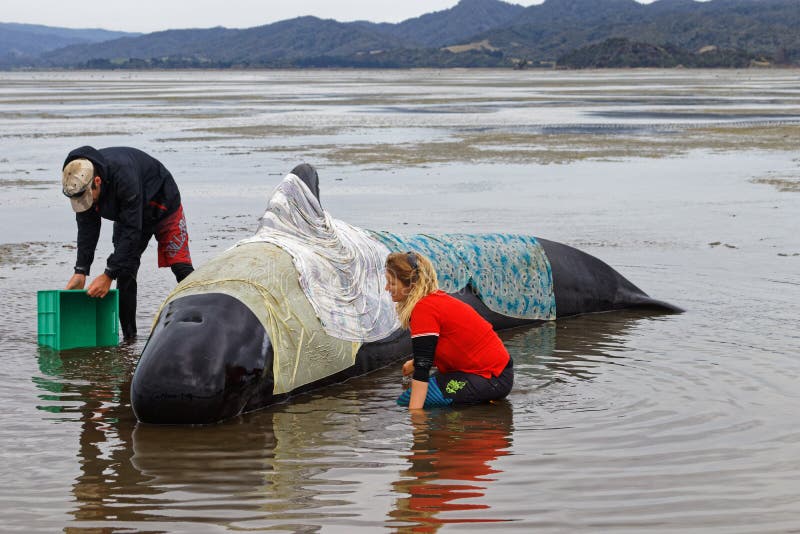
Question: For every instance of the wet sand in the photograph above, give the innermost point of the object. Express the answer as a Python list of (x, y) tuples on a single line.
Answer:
[(686, 182)]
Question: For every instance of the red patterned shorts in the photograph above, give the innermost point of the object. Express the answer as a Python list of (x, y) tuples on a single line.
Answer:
[(173, 239)]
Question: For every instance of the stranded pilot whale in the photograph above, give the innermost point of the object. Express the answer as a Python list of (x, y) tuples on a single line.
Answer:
[(302, 305)]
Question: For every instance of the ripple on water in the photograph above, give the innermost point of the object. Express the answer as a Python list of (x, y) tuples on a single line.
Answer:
[(633, 417)]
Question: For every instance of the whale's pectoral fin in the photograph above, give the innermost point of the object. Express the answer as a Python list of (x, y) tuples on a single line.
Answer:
[(308, 174)]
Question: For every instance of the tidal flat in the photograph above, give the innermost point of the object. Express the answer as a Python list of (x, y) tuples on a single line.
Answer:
[(684, 181)]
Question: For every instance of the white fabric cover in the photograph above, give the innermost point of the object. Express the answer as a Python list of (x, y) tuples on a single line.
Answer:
[(341, 267)]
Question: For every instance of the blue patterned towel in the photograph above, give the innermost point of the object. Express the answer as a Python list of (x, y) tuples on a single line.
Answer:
[(510, 273), (433, 398)]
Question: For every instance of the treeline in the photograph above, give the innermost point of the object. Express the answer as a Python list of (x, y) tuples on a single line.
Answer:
[(624, 53), (389, 59), (611, 53)]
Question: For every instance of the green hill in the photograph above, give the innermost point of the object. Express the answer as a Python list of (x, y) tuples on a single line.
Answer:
[(279, 44), (474, 33), (556, 27), (21, 43), (443, 28)]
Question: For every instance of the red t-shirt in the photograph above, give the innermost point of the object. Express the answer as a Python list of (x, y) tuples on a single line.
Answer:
[(467, 342)]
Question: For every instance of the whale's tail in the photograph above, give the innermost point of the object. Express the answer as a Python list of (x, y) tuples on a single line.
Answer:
[(644, 302), (585, 284)]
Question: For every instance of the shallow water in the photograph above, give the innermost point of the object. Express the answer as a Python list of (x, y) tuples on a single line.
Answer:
[(685, 181)]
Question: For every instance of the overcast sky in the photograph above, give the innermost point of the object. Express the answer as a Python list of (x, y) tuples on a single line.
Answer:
[(154, 15)]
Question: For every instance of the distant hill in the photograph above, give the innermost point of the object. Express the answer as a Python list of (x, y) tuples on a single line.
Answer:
[(450, 26), (19, 43), (474, 33), (279, 44), (304, 41), (556, 27)]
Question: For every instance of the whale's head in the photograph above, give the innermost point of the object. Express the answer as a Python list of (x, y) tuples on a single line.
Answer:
[(207, 357)]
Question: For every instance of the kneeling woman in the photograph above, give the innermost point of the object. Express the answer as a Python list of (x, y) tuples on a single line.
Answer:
[(473, 364)]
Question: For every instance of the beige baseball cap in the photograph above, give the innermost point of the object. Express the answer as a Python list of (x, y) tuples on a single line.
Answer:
[(76, 183)]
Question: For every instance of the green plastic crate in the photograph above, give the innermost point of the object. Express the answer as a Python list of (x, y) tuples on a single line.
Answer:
[(70, 318)]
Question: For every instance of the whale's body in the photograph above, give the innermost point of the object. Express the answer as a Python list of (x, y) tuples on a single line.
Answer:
[(241, 334)]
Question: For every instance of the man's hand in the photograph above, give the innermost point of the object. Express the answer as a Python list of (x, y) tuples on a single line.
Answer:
[(99, 286), (408, 367), (77, 281)]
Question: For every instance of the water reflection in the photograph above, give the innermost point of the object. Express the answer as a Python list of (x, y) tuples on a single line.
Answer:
[(206, 475), (239, 474), (262, 467), (93, 386), (574, 348), (452, 466)]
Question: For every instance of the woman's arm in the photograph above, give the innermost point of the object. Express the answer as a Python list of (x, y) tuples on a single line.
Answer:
[(424, 349), (419, 390)]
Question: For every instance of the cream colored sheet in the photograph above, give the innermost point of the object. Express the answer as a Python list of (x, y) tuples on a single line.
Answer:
[(263, 277)]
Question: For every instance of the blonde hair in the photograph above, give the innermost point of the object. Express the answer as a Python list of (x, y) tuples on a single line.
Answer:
[(416, 271)]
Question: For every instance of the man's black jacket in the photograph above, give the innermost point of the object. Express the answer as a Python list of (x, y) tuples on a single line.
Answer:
[(136, 192)]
